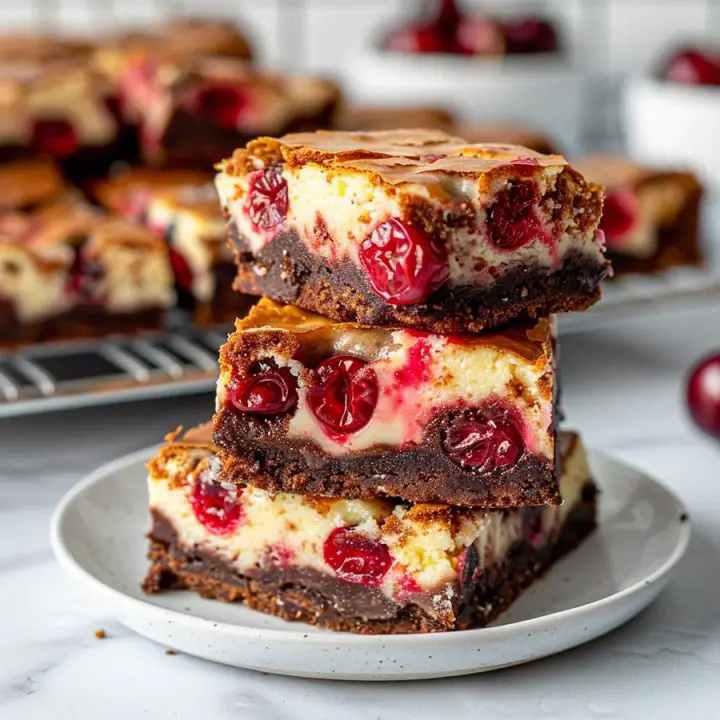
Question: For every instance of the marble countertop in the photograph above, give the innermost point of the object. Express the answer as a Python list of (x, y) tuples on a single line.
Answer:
[(622, 388)]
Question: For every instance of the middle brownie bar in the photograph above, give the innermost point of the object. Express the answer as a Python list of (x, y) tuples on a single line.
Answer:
[(309, 406)]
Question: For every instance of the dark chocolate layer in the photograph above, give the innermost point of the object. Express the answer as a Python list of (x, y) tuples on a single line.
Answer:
[(285, 270), (311, 596), (420, 474), (256, 450), (77, 324)]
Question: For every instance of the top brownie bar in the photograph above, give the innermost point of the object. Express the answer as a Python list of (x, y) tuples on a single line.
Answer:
[(412, 227)]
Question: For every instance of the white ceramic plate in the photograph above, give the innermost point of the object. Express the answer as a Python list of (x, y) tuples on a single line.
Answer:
[(98, 536)]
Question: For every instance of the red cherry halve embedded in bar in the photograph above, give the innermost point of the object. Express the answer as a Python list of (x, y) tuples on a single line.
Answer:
[(268, 202), (484, 441), (216, 505), (512, 219), (405, 265), (356, 558), (268, 390), (344, 393)]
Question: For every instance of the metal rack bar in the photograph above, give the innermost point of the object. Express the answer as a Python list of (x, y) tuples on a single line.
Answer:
[(127, 362), (42, 379), (201, 357), (158, 356), (9, 388)]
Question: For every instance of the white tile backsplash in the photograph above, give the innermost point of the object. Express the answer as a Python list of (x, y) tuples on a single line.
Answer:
[(640, 32), (337, 30)]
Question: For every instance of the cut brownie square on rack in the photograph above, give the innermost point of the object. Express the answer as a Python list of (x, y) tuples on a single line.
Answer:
[(651, 217), (306, 405), (413, 228), (364, 566), (69, 272), (193, 112), (182, 207), (190, 220)]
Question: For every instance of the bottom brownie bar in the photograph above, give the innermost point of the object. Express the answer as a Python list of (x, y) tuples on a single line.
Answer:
[(365, 566)]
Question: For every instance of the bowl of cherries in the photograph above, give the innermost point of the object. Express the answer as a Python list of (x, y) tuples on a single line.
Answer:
[(481, 67), (673, 117)]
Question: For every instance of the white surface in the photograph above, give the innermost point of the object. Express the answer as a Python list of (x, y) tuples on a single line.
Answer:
[(98, 537), (622, 388), (670, 124)]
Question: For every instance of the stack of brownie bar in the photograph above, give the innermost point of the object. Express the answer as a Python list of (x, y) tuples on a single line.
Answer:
[(384, 456)]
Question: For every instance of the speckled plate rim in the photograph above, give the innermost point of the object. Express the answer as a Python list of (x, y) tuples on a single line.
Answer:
[(647, 587)]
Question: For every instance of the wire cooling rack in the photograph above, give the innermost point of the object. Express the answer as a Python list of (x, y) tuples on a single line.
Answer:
[(59, 376)]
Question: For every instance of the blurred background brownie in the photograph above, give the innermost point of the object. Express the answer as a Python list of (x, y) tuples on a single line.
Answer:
[(69, 271), (57, 109), (651, 216), (192, 113)]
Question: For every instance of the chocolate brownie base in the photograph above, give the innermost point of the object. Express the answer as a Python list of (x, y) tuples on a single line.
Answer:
[(78, 324), (255, 451), (678, 244), (311, 596), (95, 322), (226, 305), (287, 272)]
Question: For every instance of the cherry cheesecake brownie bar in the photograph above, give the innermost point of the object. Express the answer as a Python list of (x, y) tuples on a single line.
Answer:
[(311, 406), (364, 566), (412, 227)]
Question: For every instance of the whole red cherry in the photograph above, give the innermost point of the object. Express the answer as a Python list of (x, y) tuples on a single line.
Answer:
[(478, 35), (432, 32), (530, 35), (703, 395), (415, 39), (694, 67)]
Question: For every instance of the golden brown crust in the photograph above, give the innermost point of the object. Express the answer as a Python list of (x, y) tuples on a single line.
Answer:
[(395, 156), (39, 48), (113, 193), (530, 341), (28, 182)]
